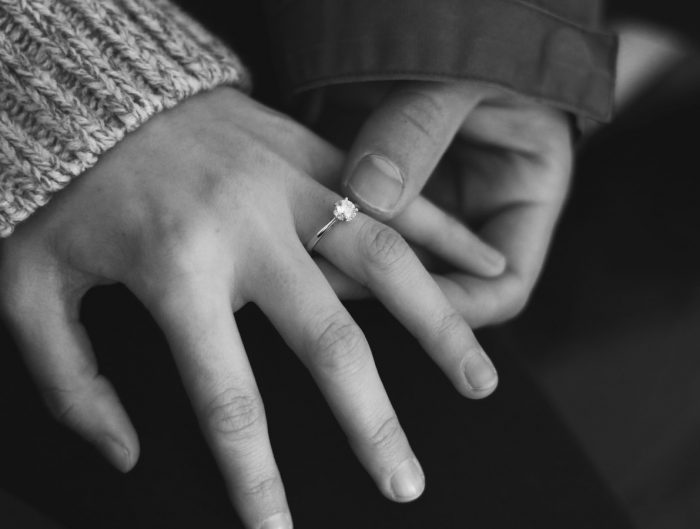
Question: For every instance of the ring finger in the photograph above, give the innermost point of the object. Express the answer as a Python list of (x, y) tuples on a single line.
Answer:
[(377, 256)]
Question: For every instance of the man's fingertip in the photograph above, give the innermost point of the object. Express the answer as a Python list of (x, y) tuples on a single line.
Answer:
[(480, 375), (494, 261)]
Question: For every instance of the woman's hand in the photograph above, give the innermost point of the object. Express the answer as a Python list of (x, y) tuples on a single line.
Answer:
[(203, 209)]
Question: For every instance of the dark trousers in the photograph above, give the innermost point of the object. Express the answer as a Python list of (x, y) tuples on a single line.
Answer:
[(505, 462)]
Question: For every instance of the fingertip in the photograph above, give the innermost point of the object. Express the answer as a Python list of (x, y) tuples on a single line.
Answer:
[(494, 261), (407, 483), (479, 256), (117, 453), (482, 393), (479, 375), (125, 446), (133, 453)]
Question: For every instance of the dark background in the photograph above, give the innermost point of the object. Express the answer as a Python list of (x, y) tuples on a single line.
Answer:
[(595, 424)]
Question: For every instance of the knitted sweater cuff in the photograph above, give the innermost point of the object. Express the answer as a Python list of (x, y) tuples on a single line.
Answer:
[(77, 75)]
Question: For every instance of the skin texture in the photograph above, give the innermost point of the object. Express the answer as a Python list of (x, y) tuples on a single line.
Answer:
[(203, 209), (501, 167)]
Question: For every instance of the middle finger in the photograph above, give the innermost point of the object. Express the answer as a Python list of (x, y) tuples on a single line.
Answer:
[(304, 309)]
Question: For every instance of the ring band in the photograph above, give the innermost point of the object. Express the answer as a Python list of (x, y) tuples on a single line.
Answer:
[(343, 211)]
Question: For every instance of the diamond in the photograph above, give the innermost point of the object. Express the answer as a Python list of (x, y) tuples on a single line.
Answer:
[(345, 210)]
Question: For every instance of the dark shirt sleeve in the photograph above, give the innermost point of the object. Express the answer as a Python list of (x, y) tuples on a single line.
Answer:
[(550, 50)]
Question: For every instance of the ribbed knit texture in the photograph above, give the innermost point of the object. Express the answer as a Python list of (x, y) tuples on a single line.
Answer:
[(77, 75)]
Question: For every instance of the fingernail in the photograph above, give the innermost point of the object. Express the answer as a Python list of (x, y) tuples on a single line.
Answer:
[(377, 182), (480, 374), (408, 481), (494, 259), (278, 521), (116, 453)]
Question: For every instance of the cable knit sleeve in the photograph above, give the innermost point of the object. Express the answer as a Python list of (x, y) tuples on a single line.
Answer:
[(77, 75)]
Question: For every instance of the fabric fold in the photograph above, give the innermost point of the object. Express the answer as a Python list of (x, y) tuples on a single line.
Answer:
[(532, 48)]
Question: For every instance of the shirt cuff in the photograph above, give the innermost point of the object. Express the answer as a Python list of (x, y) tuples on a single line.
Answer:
[(513, 44)]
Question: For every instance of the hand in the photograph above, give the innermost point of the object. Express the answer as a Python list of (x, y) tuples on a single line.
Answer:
[(201, 210), (505, 175)]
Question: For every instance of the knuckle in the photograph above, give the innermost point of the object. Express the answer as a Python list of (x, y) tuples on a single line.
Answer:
[(184, 260), (262, 487), (182, 257), (187, 249), (422, 109), (217, 187), (450, 324), (382, 247), (339, 346), (388, 435), (234, 414), (70, 406), (61, 407)]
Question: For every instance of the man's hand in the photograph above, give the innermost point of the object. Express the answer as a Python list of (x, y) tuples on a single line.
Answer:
[(503, 167), (203, 209)]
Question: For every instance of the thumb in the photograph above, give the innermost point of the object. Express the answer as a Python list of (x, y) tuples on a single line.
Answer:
[(402, 142), (57, 352)]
